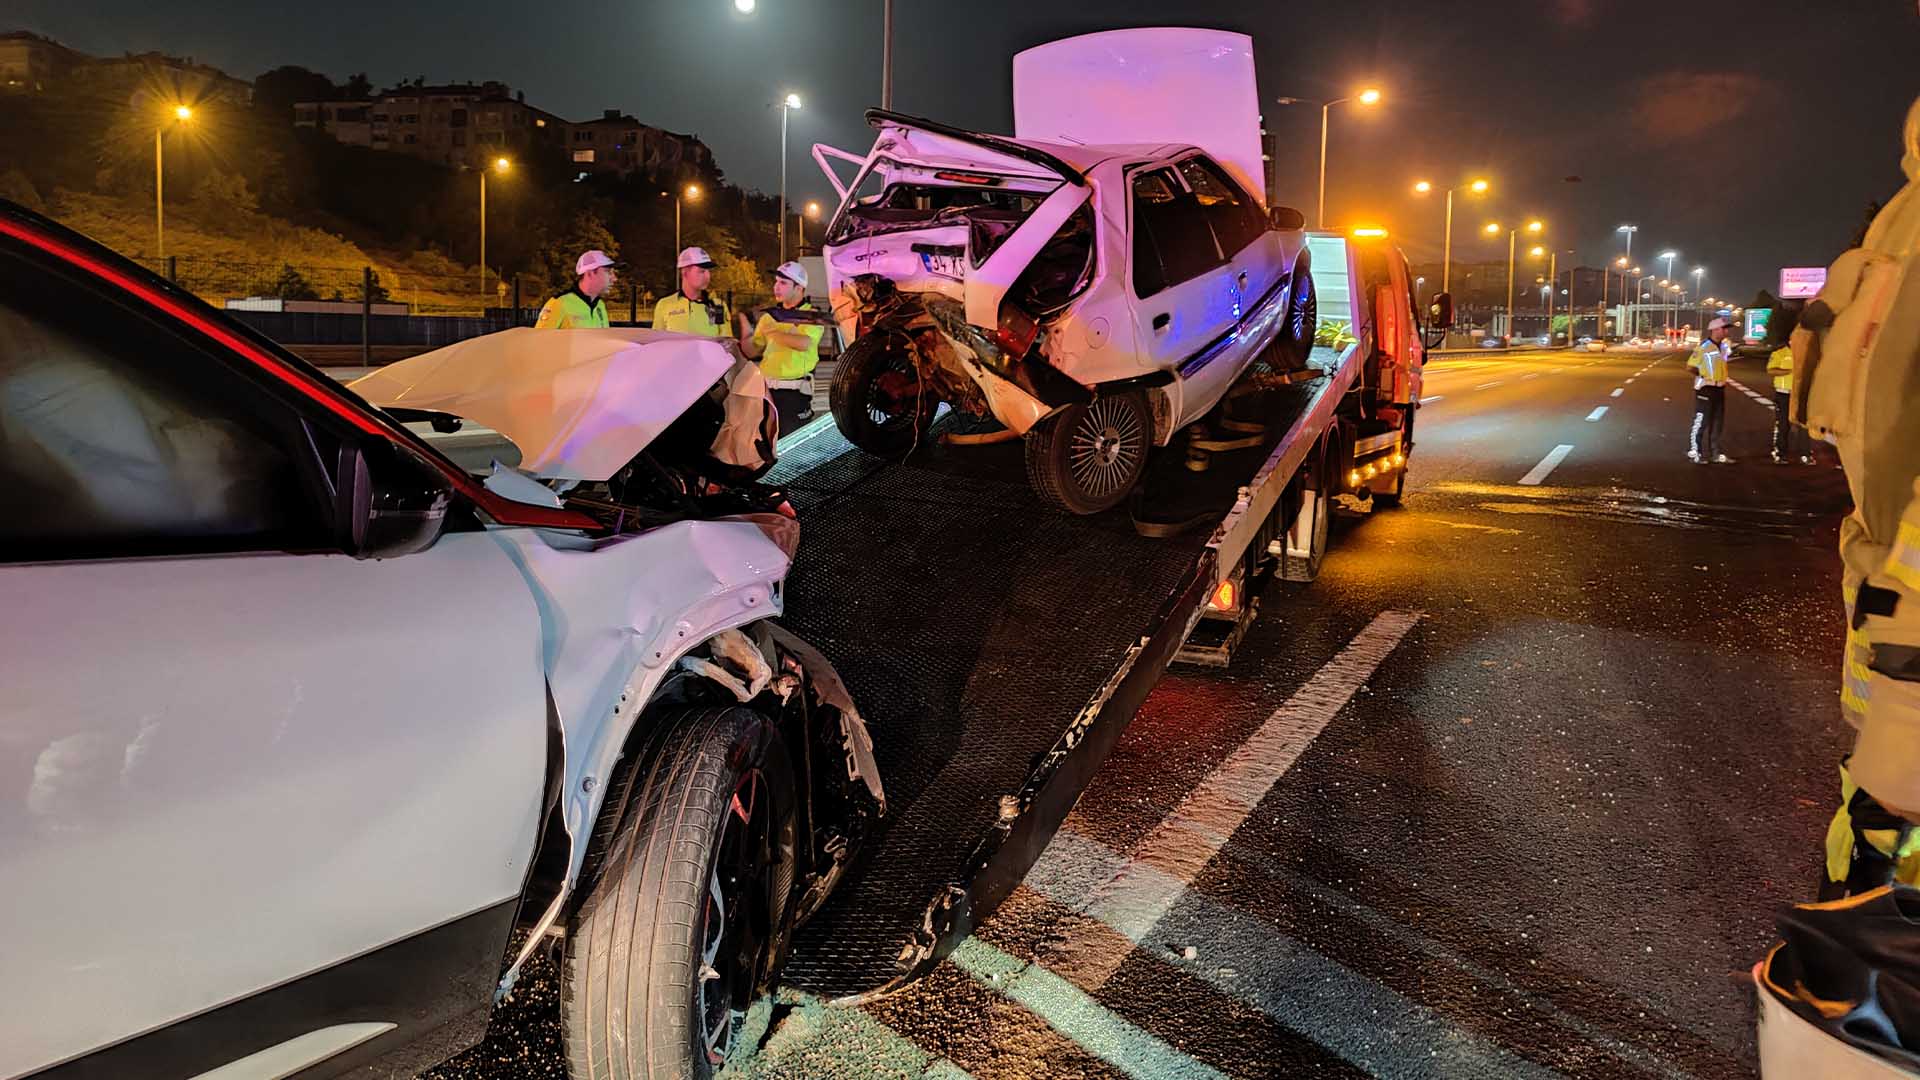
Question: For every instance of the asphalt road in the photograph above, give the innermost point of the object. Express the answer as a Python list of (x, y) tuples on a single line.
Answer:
[(1513, 790)]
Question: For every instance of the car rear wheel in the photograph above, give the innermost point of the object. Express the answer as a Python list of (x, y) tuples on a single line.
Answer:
[(1087, 458), (878, 398), (696, 846), (1295, 341)]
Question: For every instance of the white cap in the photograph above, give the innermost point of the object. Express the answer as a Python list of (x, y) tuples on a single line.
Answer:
[(592, 260), (793, 272), (694, 256), (1720, 324)]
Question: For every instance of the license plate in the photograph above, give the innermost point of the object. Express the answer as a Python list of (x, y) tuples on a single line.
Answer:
[(951, 266)]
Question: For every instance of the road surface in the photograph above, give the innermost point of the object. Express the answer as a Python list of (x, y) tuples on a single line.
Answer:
[(1512, 790)]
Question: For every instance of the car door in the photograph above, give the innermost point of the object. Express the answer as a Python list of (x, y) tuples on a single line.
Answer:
[(257, 797), (1182, 288), (1254, 276)]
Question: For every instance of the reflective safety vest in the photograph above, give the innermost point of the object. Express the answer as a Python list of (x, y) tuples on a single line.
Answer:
[(1780, 366), (684, 316), (571, 310), (784, 361), (1710, 362)]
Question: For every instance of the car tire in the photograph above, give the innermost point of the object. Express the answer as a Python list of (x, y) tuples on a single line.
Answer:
[(1089, 457), (863, 405), (696, 868), (1294, 344), (1300, 556)]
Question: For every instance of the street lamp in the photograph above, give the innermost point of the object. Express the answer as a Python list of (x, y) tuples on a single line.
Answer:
[(1477, 187), (690, 193), (744, 7), (1553, 279), (499, 165), (812, 211), (1368, 96), (787, 105), (1493, 229), (1629, 230), (181, 114), (1669, 256)]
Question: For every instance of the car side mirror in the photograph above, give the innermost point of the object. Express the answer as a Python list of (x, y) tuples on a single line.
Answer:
[(1287, 219), (388, 502)]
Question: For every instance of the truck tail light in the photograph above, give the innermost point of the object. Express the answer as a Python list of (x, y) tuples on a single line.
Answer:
[(1224, 597)]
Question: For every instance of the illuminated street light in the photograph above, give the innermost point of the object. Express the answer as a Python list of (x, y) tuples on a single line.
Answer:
[(500, 165), (1477, 187), (690, 193), (181, 114), (1368, 96), (1493, 228), (744, 7), (1537, 251), (812, 210)]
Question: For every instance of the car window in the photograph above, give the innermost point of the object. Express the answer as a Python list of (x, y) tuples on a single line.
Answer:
[(1171, 240), (1235, 217), (118, 438)]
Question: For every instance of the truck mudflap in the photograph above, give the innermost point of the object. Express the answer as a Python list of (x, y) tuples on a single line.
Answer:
[(998, 649)]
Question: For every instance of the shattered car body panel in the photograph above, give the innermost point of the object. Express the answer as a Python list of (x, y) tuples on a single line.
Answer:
[(1047, 275)]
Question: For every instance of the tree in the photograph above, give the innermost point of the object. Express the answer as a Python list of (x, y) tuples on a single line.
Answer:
[(276, 91), (587, 232), (358, 87), (16, 186), (293, 286), (224, 193)]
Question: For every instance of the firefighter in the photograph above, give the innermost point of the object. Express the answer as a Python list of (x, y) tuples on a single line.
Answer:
[(692, 310), (582, 307), (1856, 360), (1709, 363), (788, 351)]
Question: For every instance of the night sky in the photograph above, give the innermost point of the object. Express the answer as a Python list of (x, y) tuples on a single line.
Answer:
[(1748, 134)]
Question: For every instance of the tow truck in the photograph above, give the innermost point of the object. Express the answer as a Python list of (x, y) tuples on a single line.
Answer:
[(1000, 646)]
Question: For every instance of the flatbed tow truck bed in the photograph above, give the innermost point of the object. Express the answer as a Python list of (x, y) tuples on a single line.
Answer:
[(998, 648)]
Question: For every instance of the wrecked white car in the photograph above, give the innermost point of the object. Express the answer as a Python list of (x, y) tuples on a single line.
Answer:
[(305, 723), (1095, 283)]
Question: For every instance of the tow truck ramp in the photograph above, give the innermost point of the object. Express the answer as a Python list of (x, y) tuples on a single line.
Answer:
[(998, 648)]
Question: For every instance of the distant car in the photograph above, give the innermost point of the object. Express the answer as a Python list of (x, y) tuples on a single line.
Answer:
[(1493, 343), (1595, 346)]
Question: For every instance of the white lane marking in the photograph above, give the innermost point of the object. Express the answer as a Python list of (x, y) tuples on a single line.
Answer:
[(1430, 400), (1630, 378), (1547, 464), (1171, 856), (1490, 385), (1618, 390), (1524, 378), (1303, 989), (1074, 1013), (1596, 414)]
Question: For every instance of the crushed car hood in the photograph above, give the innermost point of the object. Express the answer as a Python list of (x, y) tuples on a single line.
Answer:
[(578, 403)]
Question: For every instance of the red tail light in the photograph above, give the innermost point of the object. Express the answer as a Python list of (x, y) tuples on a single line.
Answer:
[(1016, 331)]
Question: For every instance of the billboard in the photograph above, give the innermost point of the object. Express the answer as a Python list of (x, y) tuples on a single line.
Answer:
[(1801, 282)]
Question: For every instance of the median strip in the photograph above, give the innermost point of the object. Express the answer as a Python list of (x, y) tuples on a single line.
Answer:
[(1547, 464)]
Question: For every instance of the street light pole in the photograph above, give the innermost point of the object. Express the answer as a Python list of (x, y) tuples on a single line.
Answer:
[(1477, 187), (886, 55), (791, 103), (1669, 256), (181, 114), (483, 235), (1511, 234)]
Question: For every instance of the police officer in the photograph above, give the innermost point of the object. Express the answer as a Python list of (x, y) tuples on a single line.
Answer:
[(1709, 363), (582, 307), (692, 310), (1789, 442), (788, 351)]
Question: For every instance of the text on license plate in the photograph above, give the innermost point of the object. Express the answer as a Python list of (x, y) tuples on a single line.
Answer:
[(953, 266)]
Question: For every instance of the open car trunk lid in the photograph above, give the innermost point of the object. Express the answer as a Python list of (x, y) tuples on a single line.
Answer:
[(1143, 86), (578, 403)]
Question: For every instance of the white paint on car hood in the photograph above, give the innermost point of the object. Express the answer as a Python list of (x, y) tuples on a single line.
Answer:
[(578, 403)]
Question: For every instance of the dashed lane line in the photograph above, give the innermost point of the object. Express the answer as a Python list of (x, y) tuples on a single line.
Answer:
[(1547, 464), (1596, 414)]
